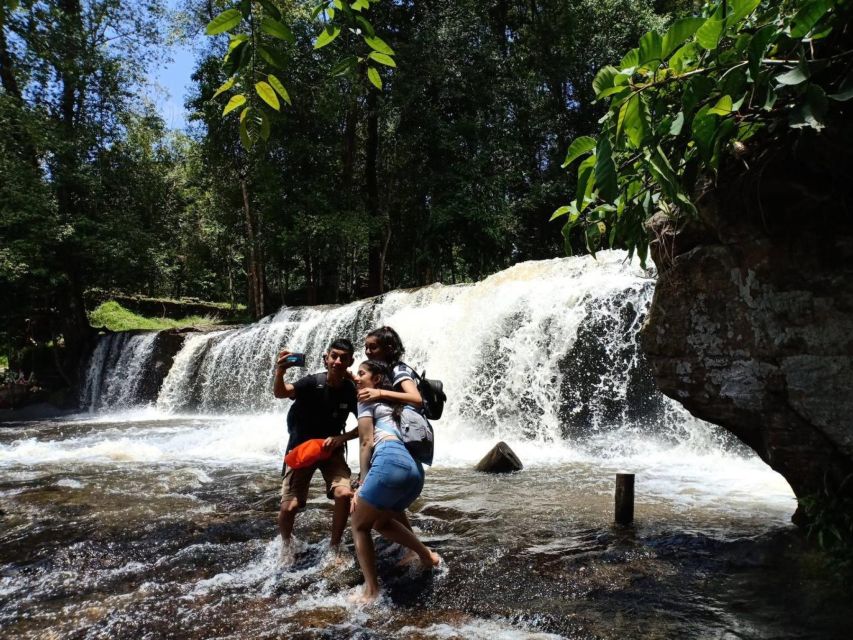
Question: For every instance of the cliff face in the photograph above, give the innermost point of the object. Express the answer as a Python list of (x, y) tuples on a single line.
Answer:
[(751, 326)]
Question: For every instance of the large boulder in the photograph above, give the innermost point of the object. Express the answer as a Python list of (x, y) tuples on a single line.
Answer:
[(501, 459), (751, 326)]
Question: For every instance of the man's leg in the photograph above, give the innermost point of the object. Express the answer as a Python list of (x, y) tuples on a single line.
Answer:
[(286, 517), (343, 495), (294, 493)]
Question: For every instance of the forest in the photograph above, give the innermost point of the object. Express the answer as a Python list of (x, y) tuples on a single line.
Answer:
[(441, 162)]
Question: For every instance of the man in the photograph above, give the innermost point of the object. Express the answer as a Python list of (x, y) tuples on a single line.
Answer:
[(321, 403)]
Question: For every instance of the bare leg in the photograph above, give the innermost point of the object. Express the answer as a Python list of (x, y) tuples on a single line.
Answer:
[(403, 519), (286, 516), (396, 532), (340, 515), (362, 522)]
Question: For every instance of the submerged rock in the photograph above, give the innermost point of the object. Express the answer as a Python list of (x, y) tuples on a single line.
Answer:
[(501, 459)]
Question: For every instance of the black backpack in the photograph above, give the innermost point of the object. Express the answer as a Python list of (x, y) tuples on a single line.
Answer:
[(432, 395)]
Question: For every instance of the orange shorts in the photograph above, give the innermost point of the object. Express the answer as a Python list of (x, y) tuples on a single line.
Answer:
[(335, 472)]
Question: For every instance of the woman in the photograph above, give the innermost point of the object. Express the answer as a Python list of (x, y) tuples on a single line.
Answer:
[(384, 344), (390, 479)]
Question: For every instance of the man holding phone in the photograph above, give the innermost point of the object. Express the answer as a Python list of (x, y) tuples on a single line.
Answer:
[(321, 403)]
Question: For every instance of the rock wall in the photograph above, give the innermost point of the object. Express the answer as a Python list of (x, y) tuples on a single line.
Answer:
[(751, 326)]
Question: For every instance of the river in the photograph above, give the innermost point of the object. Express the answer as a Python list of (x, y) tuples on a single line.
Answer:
[(155, 517)]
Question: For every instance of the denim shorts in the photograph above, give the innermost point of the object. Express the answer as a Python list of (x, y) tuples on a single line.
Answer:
[(395, 478)]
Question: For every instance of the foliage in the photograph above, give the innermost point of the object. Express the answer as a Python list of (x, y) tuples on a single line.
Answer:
[(254, 58), (829, 517), (684, 100), (114, 317)]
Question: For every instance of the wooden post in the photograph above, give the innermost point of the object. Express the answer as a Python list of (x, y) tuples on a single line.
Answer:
[(624, 498)]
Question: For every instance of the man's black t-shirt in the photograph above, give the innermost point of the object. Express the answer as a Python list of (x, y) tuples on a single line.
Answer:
[(319, 410)]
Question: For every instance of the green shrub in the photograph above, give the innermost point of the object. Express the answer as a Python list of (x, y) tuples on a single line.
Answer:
[(113, 316)]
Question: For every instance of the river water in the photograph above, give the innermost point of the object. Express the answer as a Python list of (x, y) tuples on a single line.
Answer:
[(155, 517)]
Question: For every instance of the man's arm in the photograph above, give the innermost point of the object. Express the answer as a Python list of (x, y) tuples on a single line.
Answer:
[(282, 389)]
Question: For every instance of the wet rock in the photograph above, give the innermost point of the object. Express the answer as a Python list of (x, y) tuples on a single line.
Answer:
[(501, 459), (750, 328)]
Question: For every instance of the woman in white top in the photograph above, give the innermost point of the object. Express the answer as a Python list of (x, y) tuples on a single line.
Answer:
[(390, 478)]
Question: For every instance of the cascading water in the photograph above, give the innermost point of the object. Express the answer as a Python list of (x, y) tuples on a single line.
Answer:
[(148, 518), (116, 370)]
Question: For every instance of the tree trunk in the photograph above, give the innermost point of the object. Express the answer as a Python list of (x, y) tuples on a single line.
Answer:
[(255, 270), (380, 231)]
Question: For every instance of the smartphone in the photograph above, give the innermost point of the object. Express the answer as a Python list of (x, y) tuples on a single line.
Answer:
[(296, 359)]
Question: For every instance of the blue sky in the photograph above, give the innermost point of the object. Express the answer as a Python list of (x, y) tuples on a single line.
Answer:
[(172, 81)]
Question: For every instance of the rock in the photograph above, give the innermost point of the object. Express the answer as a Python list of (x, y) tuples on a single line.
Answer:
[(752, 328), (501, 459)]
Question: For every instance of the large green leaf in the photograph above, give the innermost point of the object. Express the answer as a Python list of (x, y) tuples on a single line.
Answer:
[(224, 87), (630, 60), (604, 79), (272, 56), (703, 131), (632, 121), (271, 9), (808, 17), (382, 58), (812, 110), (723, 107), (739, 9), (686, 58), (586, 179), (579, 147), (276, 84), (797, 75), (344, 66), (225, 21), (326, 36), (650, 48), (233, 103), (709, 34), (276, 29), (373, 76), (678, 32), (267, 94), (605, 170), (378, 44)]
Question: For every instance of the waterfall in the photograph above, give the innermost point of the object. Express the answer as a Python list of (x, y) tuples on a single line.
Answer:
[(545, 350), (116, 371)]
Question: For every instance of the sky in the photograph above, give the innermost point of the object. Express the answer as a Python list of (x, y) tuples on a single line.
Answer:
[(171, 82)]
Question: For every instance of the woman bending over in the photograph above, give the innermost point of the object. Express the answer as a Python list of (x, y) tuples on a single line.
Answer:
[(391, 479)]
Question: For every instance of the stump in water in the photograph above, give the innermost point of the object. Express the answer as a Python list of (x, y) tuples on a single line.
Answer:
[(501, 459)]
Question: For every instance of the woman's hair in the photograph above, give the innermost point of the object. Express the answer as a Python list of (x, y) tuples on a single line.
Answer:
[(381, 369), (390, 342)]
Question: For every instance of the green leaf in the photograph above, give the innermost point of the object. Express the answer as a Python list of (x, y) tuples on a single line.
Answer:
[(586, 178), (812, 110), (245, 139), (233, 103), (633, 121), (758, 46), (723, 106), (741, 9), (808, 17), (373, 76), (271, 9), (235, 58), (797, 75), (678, 32), (579, 147), (703, 130), (265, 126), (560, 212), (698, 88), (368, 28), (650, 48), (344, 66), (686, 58), (382, 58), (709, 34), (630, 60), (225, 21), (677, 124), (276, 29), (273, 57), (326, 36), (378, 44), (842, 96), (566, 232), (358, 5), (267, 94), (276, 84), (224, 87), (604, 79), (605, 170)]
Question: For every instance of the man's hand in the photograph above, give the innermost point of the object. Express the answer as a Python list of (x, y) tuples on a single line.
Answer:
[(333, 442), (280, 362), (369, 395)]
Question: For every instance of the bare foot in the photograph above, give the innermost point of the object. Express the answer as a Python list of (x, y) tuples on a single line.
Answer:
[(363, 596), (286, 554), (434, 561), (408, 559), (338, 557)]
